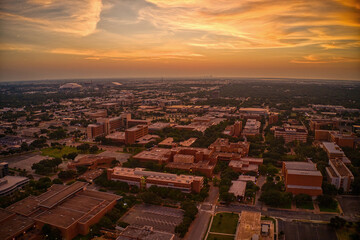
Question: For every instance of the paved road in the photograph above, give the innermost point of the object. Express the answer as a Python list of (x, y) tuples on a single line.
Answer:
[(199, 227), (279, 213)]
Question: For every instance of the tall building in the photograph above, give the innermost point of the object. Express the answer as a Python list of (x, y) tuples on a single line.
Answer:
[(237, 128), (302, 177), (131, 134), (339, 175), (145, 179), (110, 124), (95, 130)]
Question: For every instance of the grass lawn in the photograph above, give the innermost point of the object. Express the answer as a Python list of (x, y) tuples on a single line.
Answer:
[(286, 206), (324, 209), (57, 153), (307, 205), (225, 223), (219, 237)]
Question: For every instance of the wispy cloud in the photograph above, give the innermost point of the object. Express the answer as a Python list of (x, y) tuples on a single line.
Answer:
[(78, 17), (258, 23), (323, 59)]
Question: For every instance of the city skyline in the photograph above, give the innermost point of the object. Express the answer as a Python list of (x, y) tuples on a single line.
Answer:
[(46, 39)]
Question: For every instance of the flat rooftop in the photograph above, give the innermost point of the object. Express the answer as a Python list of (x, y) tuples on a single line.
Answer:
[(238, 188), (78, 208), (61, 195), (307, 173), (160, 154), (305, 166), (332, 148), (12, 224), (136, 128), (140, 172), (167, 141), (8, 182), (340, 167), (188, 143)]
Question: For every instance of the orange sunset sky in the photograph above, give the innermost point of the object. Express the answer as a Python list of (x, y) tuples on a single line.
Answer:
[(52, 39)]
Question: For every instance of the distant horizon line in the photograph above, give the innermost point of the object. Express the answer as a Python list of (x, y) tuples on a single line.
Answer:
[(207, 78)]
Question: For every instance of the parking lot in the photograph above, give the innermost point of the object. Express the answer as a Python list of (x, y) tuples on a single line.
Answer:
[(309, 231), (161, 218), (350, 206), (24, 161)]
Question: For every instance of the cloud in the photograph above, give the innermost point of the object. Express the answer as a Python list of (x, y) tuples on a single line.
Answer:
[(325, 58), (257, 23), (78, 17), (91, 54)]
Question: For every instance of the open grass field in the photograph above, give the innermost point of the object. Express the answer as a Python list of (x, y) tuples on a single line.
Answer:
[(219, 237), (225, 223), (57, 153)]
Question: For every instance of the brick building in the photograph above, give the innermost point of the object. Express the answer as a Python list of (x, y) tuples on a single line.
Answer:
[(145, 179), (246, 164), (72, 209), (273, 118), (302, 177), (342, 140), (224, 146), (134, 133), (91, 161), (317, 124), (291, 134), (95, 130)]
